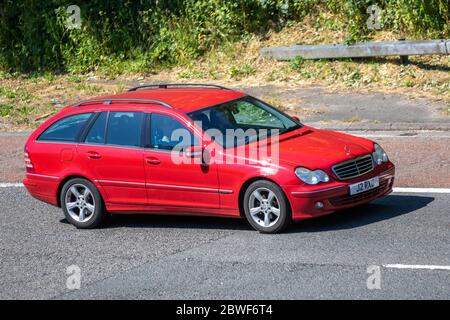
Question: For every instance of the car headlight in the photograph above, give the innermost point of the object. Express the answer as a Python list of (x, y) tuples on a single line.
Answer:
[(379, 155), (311, 176)]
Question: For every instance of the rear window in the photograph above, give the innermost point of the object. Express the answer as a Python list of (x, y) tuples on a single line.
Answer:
[(66, 129), (125, 128)]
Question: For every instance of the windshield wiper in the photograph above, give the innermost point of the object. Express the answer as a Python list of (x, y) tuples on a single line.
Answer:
[(297, 126)]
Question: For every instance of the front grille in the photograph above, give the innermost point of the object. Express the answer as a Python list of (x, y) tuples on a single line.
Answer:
[(353, 168), (385, 184)]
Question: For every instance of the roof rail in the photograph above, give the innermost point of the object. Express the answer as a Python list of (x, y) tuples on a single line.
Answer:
[(177, 85), (112, 100)]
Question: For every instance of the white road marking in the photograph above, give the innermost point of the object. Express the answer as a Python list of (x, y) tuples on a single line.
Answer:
[(422, 190), (416, 266), (11, 185), (400, 134), (379, 136)]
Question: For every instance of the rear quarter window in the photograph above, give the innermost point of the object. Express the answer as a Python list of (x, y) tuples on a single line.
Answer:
[(66, 129)]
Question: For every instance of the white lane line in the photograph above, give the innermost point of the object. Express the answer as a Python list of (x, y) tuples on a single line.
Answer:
[(11, 185), (422, 190), (416, 266), (400, 134), (380, 136)]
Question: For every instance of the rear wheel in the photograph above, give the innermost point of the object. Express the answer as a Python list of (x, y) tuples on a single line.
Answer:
[(82, 203), (266, 207)]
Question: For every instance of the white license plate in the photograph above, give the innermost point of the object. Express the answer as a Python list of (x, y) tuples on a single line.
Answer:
[(364, 185)]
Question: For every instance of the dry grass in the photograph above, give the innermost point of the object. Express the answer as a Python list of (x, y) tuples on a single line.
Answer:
[(427, 76), (36, 99)]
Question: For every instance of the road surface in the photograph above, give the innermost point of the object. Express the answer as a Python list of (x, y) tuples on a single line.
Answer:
[(168, 257)]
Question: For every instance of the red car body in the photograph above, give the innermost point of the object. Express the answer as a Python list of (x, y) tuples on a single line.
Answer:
[(141, 180)]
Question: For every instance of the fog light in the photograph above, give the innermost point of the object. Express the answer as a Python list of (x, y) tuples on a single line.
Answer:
[(319, 205)]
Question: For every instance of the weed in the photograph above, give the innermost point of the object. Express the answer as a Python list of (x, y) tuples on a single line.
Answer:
[(238, 72), (354, 119)]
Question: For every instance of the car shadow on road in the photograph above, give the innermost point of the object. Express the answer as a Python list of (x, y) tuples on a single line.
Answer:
[(175, 222), (385, 208)]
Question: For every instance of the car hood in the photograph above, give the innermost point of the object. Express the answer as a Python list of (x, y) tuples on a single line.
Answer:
[(318, 148)]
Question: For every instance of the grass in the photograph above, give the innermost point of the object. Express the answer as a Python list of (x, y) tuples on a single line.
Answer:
[(15, 94), (28, 100), (354, 119), (446, 110)]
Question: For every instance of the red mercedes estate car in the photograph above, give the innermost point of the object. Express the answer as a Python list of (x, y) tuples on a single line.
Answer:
[(166, 149)]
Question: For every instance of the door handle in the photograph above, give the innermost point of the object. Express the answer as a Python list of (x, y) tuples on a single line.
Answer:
[(93, 155), (152, 160)]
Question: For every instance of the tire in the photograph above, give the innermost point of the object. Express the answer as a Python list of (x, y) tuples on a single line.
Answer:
[(83, 209), (274, 213)]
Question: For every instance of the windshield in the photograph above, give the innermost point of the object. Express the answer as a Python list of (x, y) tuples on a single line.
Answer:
[(242, 121)]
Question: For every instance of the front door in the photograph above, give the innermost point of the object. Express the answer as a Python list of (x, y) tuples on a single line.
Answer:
[(173, 183)]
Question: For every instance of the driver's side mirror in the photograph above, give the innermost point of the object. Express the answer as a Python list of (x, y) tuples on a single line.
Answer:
[(198, 153), (194, 152), (296, 118)]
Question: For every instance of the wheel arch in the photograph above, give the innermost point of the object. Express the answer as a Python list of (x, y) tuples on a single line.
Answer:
[(64, 181), (247, 183)]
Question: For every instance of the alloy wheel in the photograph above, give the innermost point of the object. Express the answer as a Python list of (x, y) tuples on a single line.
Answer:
[(80, 203), (264, 207)]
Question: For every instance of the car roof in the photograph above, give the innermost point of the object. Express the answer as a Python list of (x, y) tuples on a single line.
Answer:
[(183, 99)]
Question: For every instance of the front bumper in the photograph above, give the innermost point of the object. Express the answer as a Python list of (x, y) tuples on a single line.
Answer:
[(335, 196)]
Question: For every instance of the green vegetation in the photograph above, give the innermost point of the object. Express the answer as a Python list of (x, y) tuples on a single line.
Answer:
[(353, 119), (9, 98), (446, 110), (45, 64), (143, 36)]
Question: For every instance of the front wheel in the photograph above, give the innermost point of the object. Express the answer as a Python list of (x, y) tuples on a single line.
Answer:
[(266, 207), (82, 203)]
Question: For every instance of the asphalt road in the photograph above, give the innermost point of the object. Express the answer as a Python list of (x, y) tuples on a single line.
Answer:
[(165, 257)]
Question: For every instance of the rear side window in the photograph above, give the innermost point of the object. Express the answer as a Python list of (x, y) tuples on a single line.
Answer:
[(125, 128), (97, 132), (66, 129)]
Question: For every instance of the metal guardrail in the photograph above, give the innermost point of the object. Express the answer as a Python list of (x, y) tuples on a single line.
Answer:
[(359, 50)]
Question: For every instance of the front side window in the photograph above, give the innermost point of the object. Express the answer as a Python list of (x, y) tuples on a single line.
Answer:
[(248, 115), (167, 132), (124, 128), (67, 129)]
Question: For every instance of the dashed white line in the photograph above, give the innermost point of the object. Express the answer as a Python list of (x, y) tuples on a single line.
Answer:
[(416, 266), (11, 185), (422, 190)]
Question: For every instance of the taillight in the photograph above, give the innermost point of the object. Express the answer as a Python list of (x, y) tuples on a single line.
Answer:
[(27, 160)]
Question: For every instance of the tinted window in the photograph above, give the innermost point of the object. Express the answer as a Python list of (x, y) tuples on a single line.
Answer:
[(249, 114), (66, 129), (97, 132), (124, 128), (254, 118), (167, 132)]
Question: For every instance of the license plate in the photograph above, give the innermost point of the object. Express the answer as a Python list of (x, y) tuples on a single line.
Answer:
[(364, 185)]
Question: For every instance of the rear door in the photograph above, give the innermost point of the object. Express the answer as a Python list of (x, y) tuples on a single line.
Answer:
[(113, 153)]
